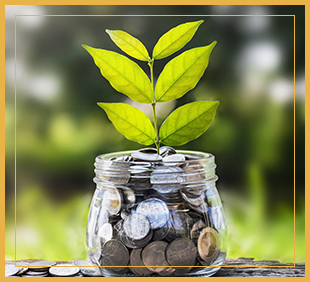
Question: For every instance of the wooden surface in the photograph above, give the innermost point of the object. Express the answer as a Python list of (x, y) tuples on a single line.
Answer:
[(248, 267)]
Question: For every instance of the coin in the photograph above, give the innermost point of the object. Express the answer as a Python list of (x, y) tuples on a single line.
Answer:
[(153, 256), (167, 175), (129, 197), (11, 269), (196, 229), (196, 202), (166, 188), (202, 208), (112, 200), (160, 233), (136, 226), (105, 232), (172, 160), (147, 157), (208, 245), (155, 210), (166, 150), (167, 271), (87, 268), (148, 150), (41, 275), (181, 252), (194, 172), (133, 244), (36, 273), (41, 265), (114, 253), (180, 224), (64, 269), (124, 214), (136, 260)]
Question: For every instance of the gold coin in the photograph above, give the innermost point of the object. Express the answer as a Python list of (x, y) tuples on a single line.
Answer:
[(209, 245)]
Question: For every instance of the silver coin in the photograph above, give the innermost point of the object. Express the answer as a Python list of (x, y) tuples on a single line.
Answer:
[(203, 208), (196, 202), (134, 244), (94, 256), (172, 160), (136, 226), (112, 200), (41, 265), (11, 269), (105, 232), (64, 269), (37, 273), (166, 188), (196, 229), (160, 233), (22, 271), (180, 224), (129, 197), (167, 175), (166, 150), (87, 268), (124, 214), (155, 210), (41, 275), (148, 150), (22, 263), (147, 157), (194, 172)]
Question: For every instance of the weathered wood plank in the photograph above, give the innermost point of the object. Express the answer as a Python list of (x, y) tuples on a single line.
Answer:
[(248, 267), (265, 268)]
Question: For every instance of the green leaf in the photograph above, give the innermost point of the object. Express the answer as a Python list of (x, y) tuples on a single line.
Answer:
[(129, 44), (131, 122), (182, 73), (175, 39), (187, 122), (123, 74)]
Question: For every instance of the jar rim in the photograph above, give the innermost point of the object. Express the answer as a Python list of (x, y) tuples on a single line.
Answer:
[(202, 156)]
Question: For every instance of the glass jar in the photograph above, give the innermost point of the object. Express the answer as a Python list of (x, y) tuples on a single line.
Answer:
[(165, 216)]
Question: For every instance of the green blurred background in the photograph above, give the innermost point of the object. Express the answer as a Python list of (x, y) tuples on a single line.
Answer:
[(60, 129)]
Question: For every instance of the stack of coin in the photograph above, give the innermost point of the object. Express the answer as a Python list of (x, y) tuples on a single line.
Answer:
[(156, 214)]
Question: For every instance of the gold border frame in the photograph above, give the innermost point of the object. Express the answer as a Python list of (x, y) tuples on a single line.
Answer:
[(169, 16)]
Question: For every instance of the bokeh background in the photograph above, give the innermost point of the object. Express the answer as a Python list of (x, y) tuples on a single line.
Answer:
[(60, 129)]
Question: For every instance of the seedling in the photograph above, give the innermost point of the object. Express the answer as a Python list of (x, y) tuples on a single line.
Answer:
[(179, 76)]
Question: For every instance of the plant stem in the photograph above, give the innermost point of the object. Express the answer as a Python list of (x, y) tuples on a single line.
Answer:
[(157, 142)]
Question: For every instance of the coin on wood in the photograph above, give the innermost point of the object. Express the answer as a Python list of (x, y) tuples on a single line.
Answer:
[(64, 269)]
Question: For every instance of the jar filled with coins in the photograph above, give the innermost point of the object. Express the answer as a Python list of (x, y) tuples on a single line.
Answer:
[(156, 214)]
